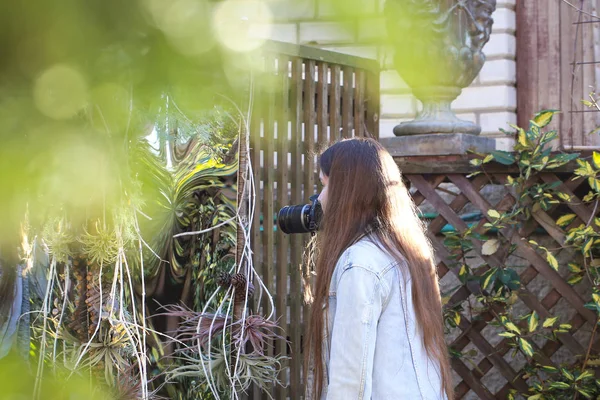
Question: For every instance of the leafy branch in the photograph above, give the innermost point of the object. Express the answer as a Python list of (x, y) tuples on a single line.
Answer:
[(496, 283)]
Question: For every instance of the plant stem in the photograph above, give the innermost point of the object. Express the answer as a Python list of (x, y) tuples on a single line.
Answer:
[(587, 355)]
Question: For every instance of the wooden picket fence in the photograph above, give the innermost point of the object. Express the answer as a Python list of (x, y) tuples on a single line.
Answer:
[(306, 98)]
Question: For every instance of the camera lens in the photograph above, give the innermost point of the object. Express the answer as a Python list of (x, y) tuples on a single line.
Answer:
[(294, 219)]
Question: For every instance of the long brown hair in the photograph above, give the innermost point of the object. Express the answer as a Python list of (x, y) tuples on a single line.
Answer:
[(365, 190)]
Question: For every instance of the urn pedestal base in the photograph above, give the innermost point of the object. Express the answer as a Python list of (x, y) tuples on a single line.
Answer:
[(443, 144), (436, 116), (436, 126)]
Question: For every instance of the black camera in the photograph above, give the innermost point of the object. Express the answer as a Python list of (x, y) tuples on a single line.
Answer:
[(302, 218)]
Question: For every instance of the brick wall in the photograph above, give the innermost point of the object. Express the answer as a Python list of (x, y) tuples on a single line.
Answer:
[(489, 101)]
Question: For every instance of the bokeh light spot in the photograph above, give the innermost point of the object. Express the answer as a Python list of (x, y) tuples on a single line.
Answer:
[(60, 92), (242, 25)]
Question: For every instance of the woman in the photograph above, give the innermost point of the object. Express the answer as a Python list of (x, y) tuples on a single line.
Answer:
[(379, 331)]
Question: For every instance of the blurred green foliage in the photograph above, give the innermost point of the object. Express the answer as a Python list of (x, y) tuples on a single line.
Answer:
[(16, 383), (81, 81), (81, 85)]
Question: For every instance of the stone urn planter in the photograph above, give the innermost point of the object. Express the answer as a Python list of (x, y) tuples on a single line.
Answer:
[(438, 51)]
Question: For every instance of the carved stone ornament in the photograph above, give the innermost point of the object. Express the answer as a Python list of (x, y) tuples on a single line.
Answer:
[(438, 48)]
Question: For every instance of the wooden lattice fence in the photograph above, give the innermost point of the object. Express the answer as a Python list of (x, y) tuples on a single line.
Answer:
[(489, 371), (306, 99)]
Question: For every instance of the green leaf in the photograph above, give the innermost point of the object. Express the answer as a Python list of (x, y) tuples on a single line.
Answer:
[(567, 374), (505, 275), (549, 136), (526, 347), (575, 279), (594, 131), (561, 159), (494, 214), (535, 397), (588, 246), (574, 268), (596, 298), (552, 261), (475, 162), (565, 326), (488, 158), (594, 183), (559, 385), (456, 318), (565, 219), (490, 247), (544, 117), (549, 369), (522, 137), (507, 334), (462, 274), (585, 375), (512, 327), (532, 322), (596, 159), (472, 174), (488, 278), (514, 284), (584, 393), (549, 322), (563, 196), (503, 157)]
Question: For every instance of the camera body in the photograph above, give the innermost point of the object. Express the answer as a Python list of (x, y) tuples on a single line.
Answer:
[(303, 218)]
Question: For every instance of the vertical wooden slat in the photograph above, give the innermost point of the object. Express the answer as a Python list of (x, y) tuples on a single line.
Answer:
[(575, 79), (296, 252), (309, 128), (309, 136), (542, 51), (256, 147), (322, 121), (322, 90), (579, 80), (372, 103), (269, 179), (335, 92), (596, 56), (282, 200), (554, 71), (359, 104), (566, 70), (347, 92), (527, 58), (588, 120)]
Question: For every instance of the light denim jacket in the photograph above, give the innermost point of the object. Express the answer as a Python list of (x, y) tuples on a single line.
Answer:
[(372, 347)]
